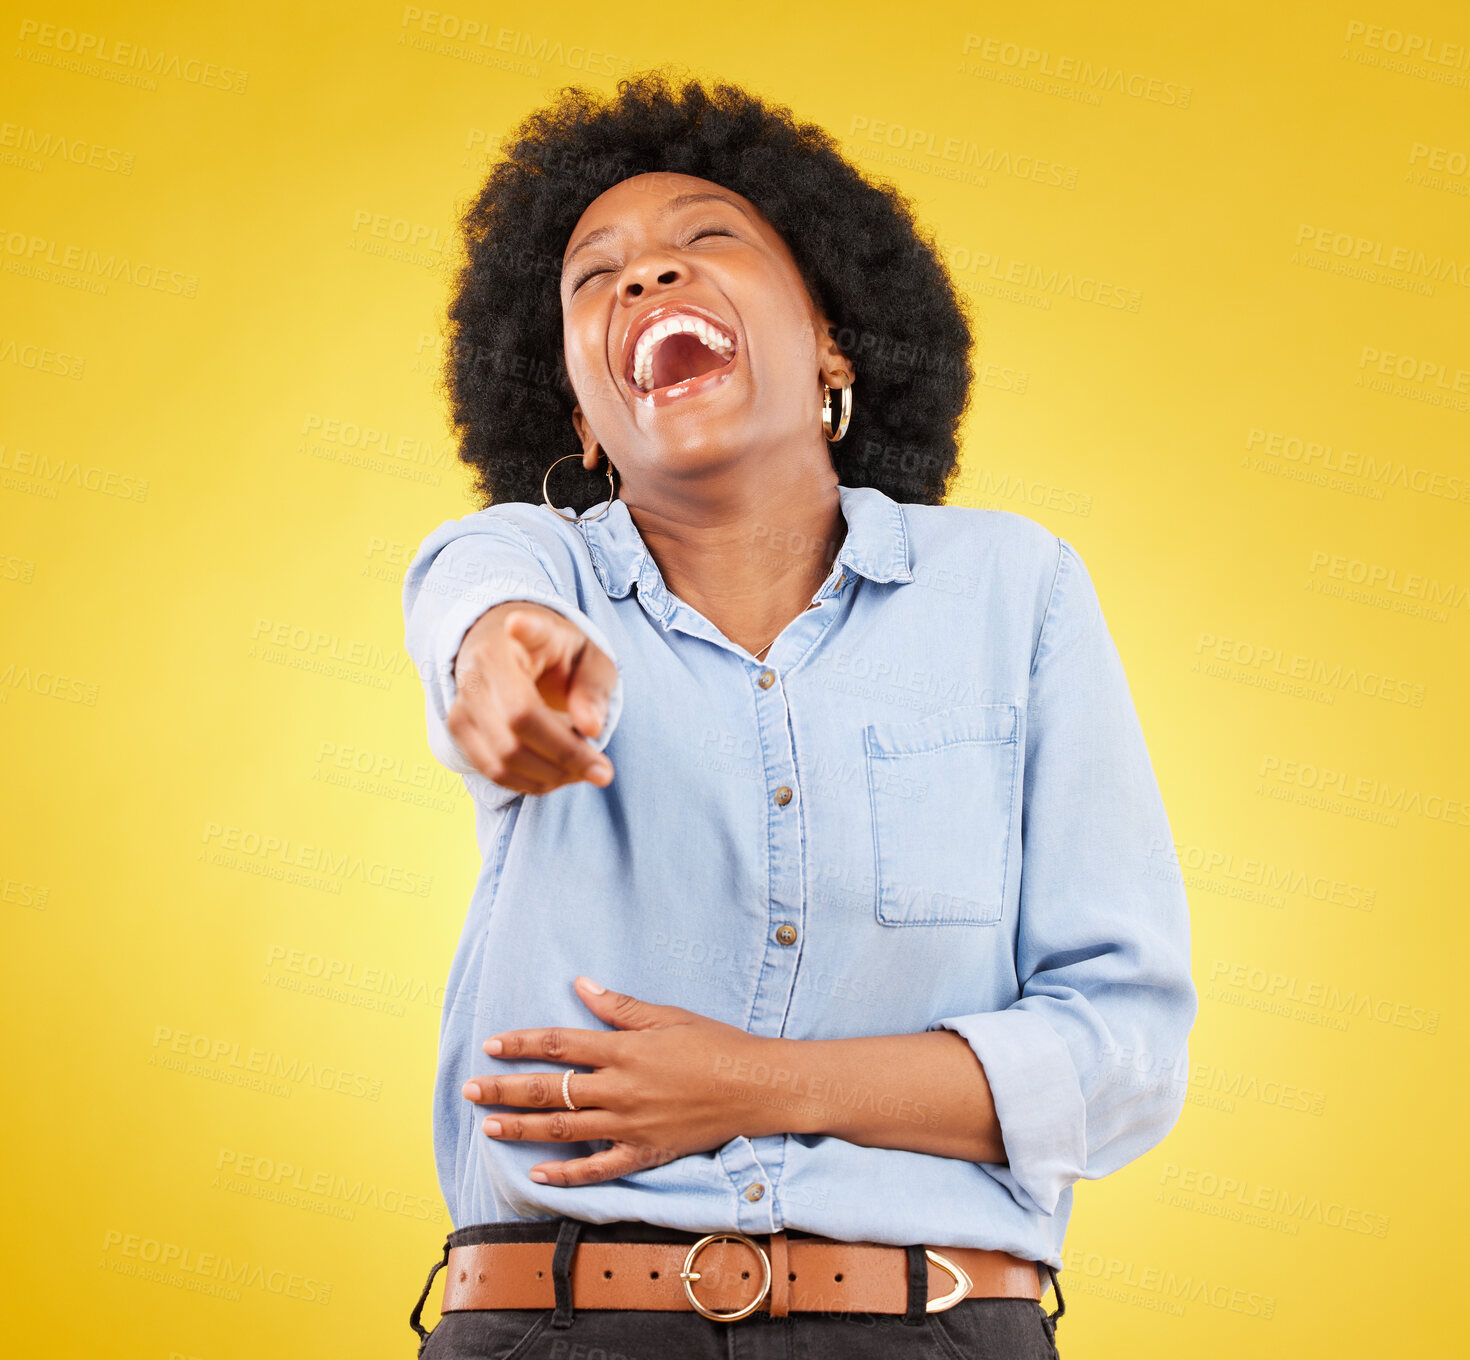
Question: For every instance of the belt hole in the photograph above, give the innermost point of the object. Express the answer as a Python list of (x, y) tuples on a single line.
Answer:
[(745, 1274), (653, 1274), (791, 1277), (538, 1274), (837, 1277), (607, 1274), (480, 1278)]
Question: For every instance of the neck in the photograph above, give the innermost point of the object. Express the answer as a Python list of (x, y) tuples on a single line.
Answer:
[(748, 554)]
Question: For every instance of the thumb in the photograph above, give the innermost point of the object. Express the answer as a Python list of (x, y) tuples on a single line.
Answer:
[(589, 695), (618, 1008)]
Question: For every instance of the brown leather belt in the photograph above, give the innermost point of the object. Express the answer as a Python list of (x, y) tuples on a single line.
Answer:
[(733, 1274)]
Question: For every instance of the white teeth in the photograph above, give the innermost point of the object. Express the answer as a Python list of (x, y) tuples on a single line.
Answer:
[(708, 335)]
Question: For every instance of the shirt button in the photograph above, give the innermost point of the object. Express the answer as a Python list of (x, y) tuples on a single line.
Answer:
[(768, 678), (783, 796), (786, 934), (754, 1192)]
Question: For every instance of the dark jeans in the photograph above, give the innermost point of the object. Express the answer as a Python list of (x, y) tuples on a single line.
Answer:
[(974, 1329)]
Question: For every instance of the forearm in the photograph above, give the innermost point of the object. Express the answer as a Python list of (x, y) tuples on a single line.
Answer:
[(923, 1092)]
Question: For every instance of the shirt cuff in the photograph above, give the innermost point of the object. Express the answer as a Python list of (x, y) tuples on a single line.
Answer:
[(1038, 1102)]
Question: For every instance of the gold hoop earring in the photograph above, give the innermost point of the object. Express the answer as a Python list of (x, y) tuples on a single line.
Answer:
[(579, 519), (827, 412)]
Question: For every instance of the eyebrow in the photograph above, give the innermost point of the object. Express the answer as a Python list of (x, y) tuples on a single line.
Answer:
[(672, 206)]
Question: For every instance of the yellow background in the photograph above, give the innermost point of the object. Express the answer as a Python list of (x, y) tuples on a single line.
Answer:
[(276, 314)]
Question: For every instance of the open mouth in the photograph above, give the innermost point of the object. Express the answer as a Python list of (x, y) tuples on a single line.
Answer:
[(676, 351)]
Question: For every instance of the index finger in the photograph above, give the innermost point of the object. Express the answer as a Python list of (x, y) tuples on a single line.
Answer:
[(581, 682), (551, 735)]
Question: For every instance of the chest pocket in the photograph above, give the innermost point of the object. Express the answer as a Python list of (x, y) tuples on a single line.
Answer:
[(942, 791)]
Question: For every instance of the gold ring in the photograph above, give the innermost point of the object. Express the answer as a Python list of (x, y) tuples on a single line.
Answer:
[(689, 1274)]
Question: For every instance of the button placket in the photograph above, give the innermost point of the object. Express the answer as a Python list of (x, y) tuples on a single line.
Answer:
[(784, 831), (750, 1163)]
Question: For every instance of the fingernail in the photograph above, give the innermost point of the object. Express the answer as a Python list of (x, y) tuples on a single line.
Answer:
[(492, 1046), (539, 1176), (472, 1090), (596, 988), (492, 1127)]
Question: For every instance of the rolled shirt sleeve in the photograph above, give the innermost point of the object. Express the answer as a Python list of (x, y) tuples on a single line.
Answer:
[(1088, 1068), (470, 565)]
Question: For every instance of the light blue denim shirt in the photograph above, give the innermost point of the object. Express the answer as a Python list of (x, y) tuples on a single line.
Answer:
[(937, 777)]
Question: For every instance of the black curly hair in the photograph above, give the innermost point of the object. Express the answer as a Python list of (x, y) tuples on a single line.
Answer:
[(874, 272)]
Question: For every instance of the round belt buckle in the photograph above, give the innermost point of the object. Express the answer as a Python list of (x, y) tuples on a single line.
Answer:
[(689, 1275)]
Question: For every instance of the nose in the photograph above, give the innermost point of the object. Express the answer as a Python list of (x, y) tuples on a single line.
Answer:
[(652, 268)]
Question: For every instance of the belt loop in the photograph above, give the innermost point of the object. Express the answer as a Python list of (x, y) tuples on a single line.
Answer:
[(1061, 1302), (780, 1300), (567, 1236), (418, 1308), (917, 1314)]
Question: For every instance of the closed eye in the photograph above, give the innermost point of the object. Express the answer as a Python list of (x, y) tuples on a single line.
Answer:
[(702, 231), (590, 274)]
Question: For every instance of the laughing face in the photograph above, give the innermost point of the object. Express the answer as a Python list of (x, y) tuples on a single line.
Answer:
[(690, 338)]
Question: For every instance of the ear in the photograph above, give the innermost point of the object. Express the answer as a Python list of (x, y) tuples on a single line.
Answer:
[(591, 452), (837, 369)]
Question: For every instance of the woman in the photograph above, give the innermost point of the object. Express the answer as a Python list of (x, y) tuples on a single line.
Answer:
[(821, 904)]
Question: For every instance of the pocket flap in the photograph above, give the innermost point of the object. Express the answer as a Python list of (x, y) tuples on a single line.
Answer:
[(976, 722)]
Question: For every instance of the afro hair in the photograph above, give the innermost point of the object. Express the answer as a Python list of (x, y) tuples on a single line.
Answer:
[(867, 264)]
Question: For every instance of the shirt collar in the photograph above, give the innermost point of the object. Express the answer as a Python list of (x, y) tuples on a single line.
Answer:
[(876, 545)]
